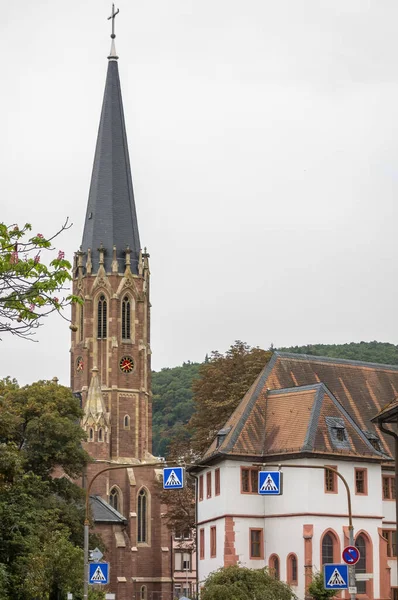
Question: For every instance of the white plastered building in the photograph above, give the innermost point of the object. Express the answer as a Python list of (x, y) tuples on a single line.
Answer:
[(304, 411)]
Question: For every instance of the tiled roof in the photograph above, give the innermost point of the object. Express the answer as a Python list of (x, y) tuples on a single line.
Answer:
[(111, 218), (298, 402), (104, 512)]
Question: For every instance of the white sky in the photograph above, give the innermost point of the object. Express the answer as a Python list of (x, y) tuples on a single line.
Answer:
[(263, 141)]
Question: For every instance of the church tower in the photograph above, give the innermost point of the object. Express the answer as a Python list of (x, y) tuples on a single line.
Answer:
[(111, 365)]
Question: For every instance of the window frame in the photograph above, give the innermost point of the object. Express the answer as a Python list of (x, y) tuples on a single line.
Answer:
[(208, 484), (259, 530), (365, 481), (102, 317), (201, 543), (126, 320), (143, 520), (390, 542), (335, 489), (275, 571), (289, 569), (391, 488), (213, 541), (217, 482), (201, 486), (250, 470)]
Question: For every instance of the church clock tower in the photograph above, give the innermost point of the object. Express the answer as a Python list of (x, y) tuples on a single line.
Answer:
[(111, 364)]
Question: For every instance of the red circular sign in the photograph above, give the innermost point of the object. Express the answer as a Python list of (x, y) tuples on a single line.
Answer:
[(351, 555)]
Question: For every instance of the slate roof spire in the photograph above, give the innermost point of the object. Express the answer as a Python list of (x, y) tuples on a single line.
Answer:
[(111, 218)]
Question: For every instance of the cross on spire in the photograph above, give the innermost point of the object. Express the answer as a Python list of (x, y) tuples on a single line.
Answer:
[(113, 55), (113, 15)]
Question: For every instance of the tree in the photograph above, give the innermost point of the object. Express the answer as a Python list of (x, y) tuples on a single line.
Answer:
[(223, 381), (241, 583), (41, 516), (317, 588), (29, 287)]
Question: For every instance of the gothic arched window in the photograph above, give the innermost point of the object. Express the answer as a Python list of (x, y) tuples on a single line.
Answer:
[(126, 318), (114, 499), (274, 566), (327, 549), (91, 434), (292, 569), (143, 594), (81, 323), (360, 567), (142, 517), (102, 316), (126, 422), (100, 435)]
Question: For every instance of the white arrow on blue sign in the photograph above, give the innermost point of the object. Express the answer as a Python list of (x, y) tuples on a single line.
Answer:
[(335, 577), (173, 478), (269, 483), (98, 573)]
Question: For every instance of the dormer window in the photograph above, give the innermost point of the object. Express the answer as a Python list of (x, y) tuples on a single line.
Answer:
[(221, 435), (338, 433), (374, 440)]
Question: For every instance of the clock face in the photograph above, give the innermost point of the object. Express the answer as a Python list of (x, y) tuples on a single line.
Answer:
[(126, 364), (79, 363)]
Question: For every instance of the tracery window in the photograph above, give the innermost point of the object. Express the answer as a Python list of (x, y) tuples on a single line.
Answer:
[(102, 317), (142, 517), (114, 499), (126, 318)]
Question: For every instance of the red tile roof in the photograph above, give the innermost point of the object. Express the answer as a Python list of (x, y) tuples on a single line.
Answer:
[(298, 402)]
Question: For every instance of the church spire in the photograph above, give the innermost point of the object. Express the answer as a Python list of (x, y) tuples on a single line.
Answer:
[(111, 219)]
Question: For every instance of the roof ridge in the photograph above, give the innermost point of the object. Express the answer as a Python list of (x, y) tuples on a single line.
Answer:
[(330, 359), (296, 388)]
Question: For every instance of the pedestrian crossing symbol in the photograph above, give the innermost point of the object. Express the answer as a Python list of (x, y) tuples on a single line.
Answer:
[(269, 483), (98, 573), (335, 577), (173, 478)]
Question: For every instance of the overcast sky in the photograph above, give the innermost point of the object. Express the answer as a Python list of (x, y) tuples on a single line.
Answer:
[(263, 141)]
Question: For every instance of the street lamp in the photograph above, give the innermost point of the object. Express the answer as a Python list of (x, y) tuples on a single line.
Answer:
[(351, 568), (86, 519)]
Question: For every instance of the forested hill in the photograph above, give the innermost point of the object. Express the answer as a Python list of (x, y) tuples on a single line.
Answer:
[(172, 388), (378, 352)]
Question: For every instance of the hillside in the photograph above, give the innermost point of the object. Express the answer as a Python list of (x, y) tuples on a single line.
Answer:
[(172, 387)]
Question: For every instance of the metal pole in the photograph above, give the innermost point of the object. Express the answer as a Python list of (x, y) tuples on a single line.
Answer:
[(351, 568), (85, 593)]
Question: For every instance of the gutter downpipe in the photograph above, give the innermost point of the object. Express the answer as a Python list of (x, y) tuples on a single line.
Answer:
[(196, 477)]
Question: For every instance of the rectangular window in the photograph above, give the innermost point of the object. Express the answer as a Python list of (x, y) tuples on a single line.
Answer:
[(213, 542), (178, 561), (330, 481), (256, 543), (391, 536), (249, 480), (361, 481), (186, 562), (208, 484), (201, 544), (200, 487), (388, 487), (217, 482)]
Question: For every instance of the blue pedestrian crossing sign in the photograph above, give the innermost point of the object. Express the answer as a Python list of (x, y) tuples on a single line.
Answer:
[(335, 577), (98, 573), (269, 483), (173, 478)]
